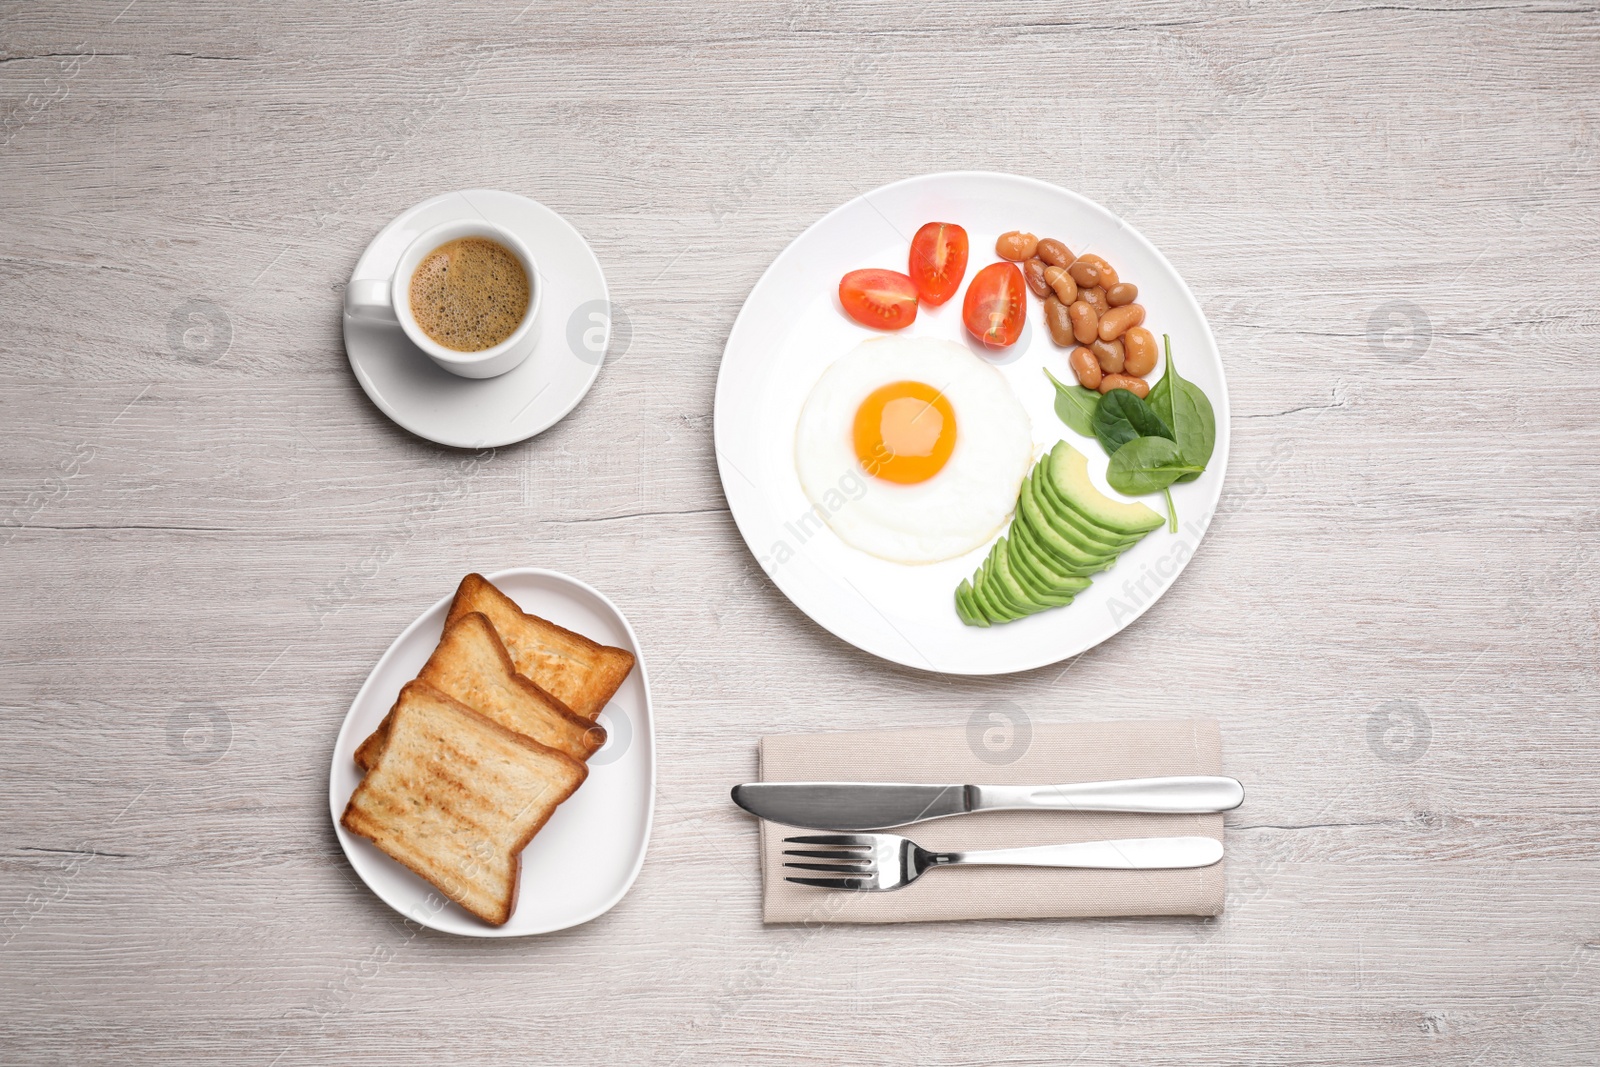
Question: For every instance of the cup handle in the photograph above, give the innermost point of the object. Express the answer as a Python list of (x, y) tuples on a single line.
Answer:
[(369, 298)]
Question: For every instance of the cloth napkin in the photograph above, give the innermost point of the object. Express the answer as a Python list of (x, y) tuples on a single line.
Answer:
[(1045, 754)]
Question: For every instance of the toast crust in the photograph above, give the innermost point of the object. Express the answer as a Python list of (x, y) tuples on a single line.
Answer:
[(471, 665), (581, 673), (416, 805)]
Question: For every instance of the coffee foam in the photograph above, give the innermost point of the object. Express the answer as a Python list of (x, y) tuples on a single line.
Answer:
[(469, 294)]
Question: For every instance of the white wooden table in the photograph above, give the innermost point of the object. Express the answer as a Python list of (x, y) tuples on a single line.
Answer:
[(1389, 214)]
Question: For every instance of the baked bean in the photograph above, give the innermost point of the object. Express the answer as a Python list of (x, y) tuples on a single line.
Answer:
[(1059, 280), (1095, 297), (1060, 323), (1115, 322), (1139, 344), (1083, 272), (1016, 246), (1090, 269), (1033, 273), (1086, 367), (1109, 354), (1085, 322), (1122, 293), (1108, 275), (1137, 386), (1054, 252)]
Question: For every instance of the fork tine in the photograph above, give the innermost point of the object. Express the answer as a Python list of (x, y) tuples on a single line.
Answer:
[(831, 868), (848, 840), (831, 883), (825, 854)]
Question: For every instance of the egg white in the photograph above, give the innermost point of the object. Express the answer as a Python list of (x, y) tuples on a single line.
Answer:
[(959, 508)]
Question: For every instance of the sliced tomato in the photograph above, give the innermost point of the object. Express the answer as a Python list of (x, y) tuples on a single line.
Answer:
[(996, 305), (938, 261), (882, 299)]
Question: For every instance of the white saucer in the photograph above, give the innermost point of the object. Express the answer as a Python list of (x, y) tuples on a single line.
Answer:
[(574, 327)]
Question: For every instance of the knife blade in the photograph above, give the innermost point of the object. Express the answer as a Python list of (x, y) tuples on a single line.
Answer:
[(880, 805), (850, 805)]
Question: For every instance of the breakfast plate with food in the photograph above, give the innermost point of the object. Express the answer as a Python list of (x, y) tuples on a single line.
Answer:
[(972, 423), (495, 775)]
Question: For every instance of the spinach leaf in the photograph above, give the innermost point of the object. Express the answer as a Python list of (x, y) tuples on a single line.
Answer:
[(1075, 405), (1160, 396), (1184, 407), (1147, 465), (1121, 417)]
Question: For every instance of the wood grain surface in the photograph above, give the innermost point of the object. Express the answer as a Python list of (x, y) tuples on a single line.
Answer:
[(1389, 213)]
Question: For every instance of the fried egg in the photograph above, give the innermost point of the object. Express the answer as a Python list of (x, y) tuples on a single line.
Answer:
[(912, 450)]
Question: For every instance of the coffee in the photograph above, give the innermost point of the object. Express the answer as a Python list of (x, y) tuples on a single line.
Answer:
[(469, 294)]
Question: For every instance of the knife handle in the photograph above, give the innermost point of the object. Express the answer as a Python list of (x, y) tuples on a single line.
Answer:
[(1198, 794)]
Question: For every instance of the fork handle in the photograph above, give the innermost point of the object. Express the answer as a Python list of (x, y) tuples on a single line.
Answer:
[(1134, 854), (1193, 794)]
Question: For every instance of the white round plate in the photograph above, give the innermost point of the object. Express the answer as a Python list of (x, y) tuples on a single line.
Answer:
[(574, 324), (792, 328), (587, 856)]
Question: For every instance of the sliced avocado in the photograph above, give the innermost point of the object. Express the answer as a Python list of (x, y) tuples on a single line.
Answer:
[(1070, 527), (1026, 571), (1025, 557), (1051, 560), (968, 608), (1064, 531), (1049, 600), (1036, 589), (1000, 592), (1009, 609), (1059, 586), (976, 598), (965, 609), (974, 602), (983, 596), (1068, 471), (1049, 498), (1005, 586), (1024, 584), (1045, 563), (1074, 560)]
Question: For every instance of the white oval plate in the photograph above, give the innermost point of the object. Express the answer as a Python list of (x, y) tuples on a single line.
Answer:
[(574, 327), (589, 853), (791, 329)]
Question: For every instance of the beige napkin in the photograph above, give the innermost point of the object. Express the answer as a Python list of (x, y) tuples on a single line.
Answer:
[(1054, 754)]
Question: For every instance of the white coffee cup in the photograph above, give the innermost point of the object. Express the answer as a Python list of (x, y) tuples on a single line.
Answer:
[(389, 300)]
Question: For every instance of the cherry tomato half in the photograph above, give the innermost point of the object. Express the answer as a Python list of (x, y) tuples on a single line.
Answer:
[(996, 305), (881, 299), (938, 261)]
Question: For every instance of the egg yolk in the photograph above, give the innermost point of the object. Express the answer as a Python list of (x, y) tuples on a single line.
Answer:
[(905, 432)]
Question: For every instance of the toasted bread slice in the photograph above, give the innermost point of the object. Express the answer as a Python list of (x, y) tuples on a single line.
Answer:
[(581, 673), (471, 665), (456, 798)]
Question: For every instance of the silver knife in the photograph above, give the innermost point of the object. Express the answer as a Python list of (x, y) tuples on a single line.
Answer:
[(879, 805)]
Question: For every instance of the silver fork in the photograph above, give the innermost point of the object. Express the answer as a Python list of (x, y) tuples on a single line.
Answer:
[(873, 862)]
